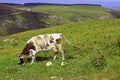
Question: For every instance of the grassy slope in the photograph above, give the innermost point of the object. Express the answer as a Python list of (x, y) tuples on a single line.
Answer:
[(53, 15), (83, 12), (96, 38)]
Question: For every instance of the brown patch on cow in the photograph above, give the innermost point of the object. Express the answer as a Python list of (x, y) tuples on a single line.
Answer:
[(51, 39), (27, 48), (26, 52), (58, 41), (46, 37), (46, 46)]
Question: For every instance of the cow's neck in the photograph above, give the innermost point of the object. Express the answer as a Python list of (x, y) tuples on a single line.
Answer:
[(27, 48)]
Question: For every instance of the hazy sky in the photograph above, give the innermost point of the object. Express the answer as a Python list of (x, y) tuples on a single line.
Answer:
[(105, 3)]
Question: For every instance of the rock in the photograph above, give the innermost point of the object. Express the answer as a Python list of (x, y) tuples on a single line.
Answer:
[(76, 19), (53, 77), (103, 17)]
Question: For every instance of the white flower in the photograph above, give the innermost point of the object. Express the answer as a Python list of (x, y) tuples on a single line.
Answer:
[(53, 77), (63, 63), (6, 40), (48, 64), (61, 78)]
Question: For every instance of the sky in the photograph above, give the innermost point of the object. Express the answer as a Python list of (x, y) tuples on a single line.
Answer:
[(104, 3)]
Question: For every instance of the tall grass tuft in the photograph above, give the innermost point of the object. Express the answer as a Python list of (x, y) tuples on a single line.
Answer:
[(118, 41), (99, 62)]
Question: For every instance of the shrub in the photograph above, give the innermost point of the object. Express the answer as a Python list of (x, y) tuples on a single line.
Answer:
[(99, 62)]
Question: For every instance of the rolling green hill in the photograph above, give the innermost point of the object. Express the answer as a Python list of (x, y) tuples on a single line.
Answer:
[(46, 16), (98, 59), (83, 12)]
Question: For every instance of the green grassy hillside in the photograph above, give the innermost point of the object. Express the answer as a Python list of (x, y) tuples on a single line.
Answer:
[(83, 12), (98, 59), (37, 17)]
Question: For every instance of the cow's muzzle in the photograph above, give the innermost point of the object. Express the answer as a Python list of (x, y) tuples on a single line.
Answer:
[(22, 60)]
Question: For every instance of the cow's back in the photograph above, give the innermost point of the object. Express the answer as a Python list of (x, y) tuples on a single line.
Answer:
[(46, 41)]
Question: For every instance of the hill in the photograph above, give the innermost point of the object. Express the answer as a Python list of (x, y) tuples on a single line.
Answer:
[(15, 19), (39, 4), (98, 58), (81, 12), (5, 9)]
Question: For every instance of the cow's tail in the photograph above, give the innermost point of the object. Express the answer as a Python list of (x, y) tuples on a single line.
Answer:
[(70, 43)]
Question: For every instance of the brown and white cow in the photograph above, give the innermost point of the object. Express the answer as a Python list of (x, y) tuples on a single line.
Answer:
[(44, 42)]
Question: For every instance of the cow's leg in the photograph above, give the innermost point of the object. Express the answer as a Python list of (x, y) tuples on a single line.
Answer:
[(33, 59), (32, 53), (61, 51), (55, 53), (59, 47)]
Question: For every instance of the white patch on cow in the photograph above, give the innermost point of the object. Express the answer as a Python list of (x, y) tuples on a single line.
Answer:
[(48, 64), (32, 52)]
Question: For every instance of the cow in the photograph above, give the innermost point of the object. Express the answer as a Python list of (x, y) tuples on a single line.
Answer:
[(45, 42)]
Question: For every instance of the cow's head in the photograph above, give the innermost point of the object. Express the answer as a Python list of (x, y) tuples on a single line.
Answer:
[(25, 52), (22, 59)]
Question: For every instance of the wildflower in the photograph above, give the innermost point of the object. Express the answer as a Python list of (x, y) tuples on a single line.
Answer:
[(48, 64), (53, 77)]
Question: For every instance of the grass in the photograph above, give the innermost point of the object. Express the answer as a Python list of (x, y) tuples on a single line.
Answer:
[(95, 38), (67, 12)]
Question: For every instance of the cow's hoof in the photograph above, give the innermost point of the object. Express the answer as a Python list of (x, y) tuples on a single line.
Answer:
[(23, 63), (31, 63)]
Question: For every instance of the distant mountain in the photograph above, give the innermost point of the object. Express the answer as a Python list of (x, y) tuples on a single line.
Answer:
[(36, 4), (12, 4), (115, 13), (6, 9), (116, 8)]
